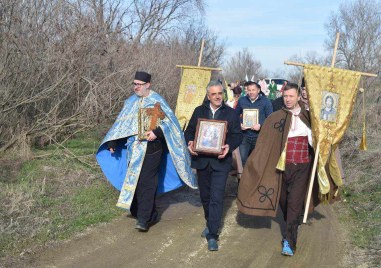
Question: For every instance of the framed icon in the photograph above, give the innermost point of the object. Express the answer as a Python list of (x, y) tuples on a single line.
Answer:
[(149, 119), (210, 136), (250, 117)]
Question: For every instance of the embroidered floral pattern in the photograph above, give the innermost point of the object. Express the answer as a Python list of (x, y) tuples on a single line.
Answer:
[(280, 125), (265, 194)]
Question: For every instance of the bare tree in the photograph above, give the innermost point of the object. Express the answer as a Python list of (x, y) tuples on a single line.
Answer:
[(213, 51), (67, 64), (295, 73), (359, 24), (241, 64), (149, 20)]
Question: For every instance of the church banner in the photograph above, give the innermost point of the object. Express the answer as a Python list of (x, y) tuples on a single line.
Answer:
[(331, 94), (192, 91)]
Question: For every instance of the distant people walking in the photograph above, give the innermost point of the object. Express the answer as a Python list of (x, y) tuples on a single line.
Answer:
[(236, 95), (284, 84), (237, 161), (263, 85), (272, 90)]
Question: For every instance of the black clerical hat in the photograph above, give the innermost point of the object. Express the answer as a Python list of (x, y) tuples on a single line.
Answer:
[(143, 76)]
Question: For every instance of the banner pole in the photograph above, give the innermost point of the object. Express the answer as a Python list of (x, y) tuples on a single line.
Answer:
[(312, 179), (302, 65), (200, 57), (335, 50), (311, 183)]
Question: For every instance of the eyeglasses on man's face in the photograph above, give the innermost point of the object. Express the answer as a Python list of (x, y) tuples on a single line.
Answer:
[(138, 84)]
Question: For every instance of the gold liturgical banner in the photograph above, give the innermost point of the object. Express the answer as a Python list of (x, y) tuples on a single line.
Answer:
[(229, 92), (331, 94), (192, 92)]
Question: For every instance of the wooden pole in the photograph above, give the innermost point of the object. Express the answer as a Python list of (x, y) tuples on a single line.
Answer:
[(335, 50), (196, 67), (200, 57), (311, 183), (302, 65), (312, 179)]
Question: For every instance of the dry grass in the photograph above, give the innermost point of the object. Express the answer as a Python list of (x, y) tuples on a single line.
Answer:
[(360, 210), (51, 198)]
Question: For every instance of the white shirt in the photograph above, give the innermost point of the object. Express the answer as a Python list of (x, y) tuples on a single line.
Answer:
[(252, 101), (213, 111), (298, 128)]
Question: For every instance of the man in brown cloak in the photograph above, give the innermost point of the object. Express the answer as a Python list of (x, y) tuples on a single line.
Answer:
[(265, 184)]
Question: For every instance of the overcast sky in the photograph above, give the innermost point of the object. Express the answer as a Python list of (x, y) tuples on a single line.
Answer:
[(273, 30)]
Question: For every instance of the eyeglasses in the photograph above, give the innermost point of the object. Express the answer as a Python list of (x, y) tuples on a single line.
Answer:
[(138, 84)]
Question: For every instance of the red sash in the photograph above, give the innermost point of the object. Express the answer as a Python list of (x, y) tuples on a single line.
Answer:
[(297, 150)]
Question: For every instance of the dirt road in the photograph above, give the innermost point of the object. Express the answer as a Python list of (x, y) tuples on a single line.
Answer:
[(176, 242)]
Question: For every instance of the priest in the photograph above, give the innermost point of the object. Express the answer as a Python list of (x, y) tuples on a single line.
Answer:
[(142, 162)]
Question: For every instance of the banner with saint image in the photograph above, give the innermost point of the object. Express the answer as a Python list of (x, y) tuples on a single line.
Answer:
[(192, 92), (331, 95)]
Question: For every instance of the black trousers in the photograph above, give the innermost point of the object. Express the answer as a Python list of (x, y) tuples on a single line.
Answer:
[(294, 186), (212, 189), (143, 205)]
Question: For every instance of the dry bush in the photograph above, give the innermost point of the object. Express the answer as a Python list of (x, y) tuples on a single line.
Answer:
[(68, 65)]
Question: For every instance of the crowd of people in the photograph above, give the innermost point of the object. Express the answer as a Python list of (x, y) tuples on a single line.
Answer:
[(261, 129)]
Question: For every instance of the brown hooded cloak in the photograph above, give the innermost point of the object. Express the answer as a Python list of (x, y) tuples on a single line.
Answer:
[(260, 185)]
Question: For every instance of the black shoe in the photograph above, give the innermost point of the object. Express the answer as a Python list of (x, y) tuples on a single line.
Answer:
[(142, 227), (212, 244)]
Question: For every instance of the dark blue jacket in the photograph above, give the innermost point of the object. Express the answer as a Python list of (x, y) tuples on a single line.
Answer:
[(264, 106), (233, 135)]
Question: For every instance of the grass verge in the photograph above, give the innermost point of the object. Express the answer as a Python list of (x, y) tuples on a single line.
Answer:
[(360, 211), (58, 192)]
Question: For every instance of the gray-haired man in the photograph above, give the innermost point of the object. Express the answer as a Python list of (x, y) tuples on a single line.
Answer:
[(213, 171)]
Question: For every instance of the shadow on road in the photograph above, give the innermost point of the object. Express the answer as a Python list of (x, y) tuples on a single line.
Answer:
[(192, 197), (177, 197)]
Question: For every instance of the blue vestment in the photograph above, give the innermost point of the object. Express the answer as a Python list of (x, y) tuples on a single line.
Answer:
[(123, 167)]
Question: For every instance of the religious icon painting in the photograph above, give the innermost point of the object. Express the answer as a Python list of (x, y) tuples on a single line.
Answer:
[(149, 119), (329, 105), (250, 117), (189, 93), (210, 136)]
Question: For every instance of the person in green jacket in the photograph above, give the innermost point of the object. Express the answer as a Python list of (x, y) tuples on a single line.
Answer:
[(273, 90)]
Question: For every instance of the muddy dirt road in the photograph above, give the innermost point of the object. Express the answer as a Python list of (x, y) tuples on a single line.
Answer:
[(176, 242)]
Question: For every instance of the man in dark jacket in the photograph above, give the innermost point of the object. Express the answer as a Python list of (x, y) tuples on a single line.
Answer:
[(213, 171), (277, 104), (252, 100)]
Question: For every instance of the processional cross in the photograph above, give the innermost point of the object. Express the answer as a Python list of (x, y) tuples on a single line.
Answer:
[(155, 114)]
